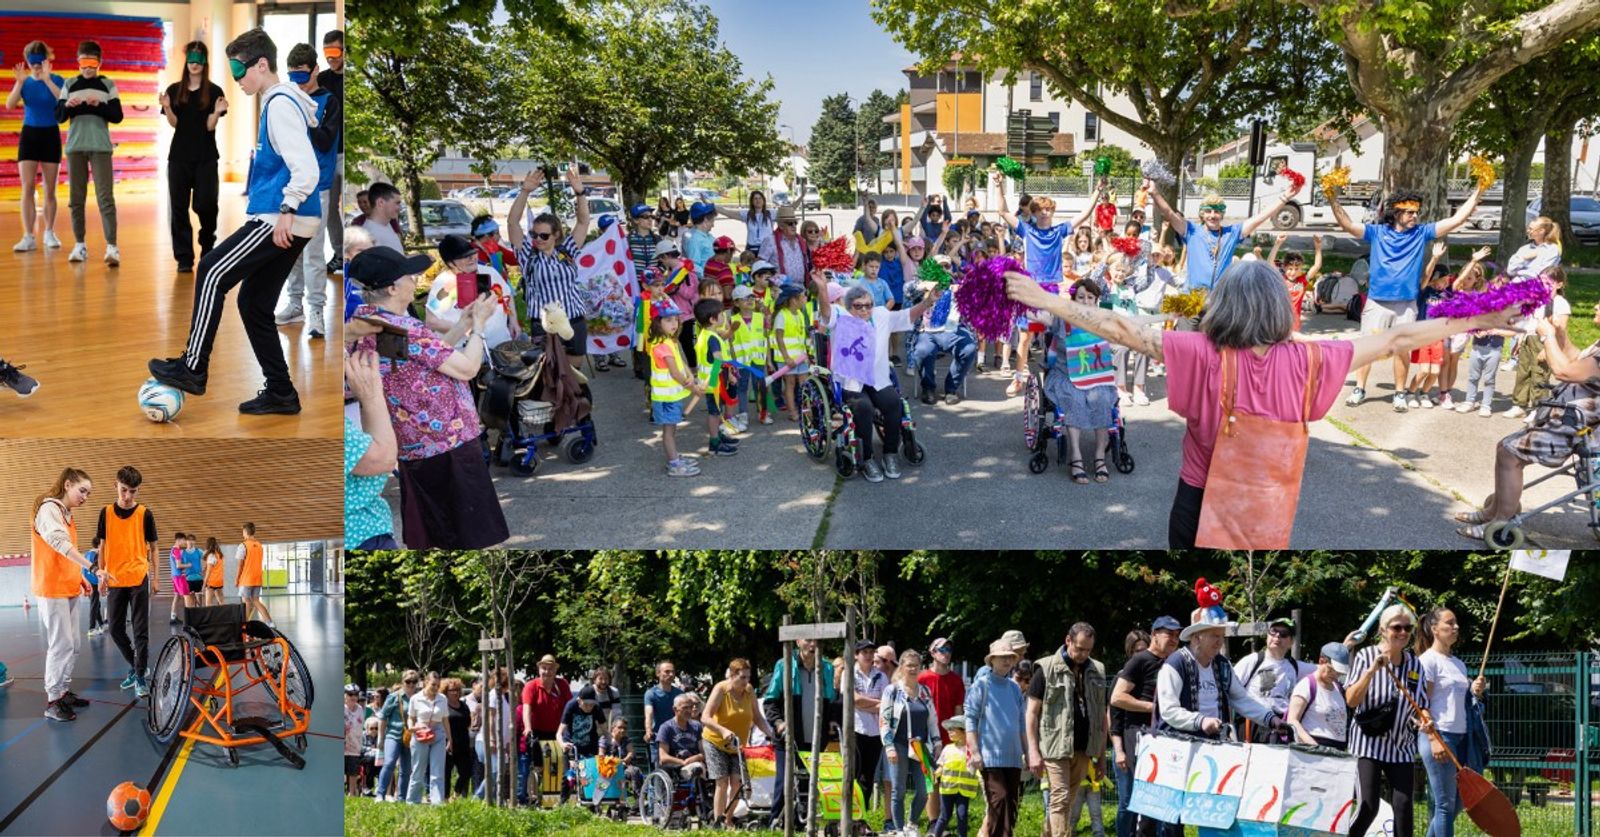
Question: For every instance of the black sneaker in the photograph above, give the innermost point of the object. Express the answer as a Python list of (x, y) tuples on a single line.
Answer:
[(175, 373), (184, 267), (335, 265), (58, 710), (71, 698), (927, 396), (11, 377), (723, 450), (268, 402)]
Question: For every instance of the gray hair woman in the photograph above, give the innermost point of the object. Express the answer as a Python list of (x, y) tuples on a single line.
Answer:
[(447, 499), (866, 402), (1247, 312)]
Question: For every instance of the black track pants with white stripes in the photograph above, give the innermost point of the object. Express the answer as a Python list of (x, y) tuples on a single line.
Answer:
[(249, 260)]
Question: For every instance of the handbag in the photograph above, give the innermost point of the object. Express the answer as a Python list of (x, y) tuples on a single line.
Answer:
[(1377, 721), (1253, 486), (423, 734)]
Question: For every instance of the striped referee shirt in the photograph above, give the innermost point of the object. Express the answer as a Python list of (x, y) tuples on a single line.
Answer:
[(552, 278), (1399, 746)]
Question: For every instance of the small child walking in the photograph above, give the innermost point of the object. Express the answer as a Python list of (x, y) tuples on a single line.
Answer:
[(672, 388), (1484, 354), (750, 350), (958, 784), (711, 350), (789, 342)]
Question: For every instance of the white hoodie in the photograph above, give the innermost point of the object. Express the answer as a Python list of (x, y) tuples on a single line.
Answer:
[(289, 133)]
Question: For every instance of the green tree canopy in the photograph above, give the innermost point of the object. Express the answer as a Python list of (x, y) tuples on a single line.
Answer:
[(650, 92), (833, 162), (871, 130)]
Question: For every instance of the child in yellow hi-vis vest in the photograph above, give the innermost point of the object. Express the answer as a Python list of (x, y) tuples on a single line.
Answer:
[(789, 343), (958, 783), (750, 349), (712, 349), (1090, 789), (672, 387)]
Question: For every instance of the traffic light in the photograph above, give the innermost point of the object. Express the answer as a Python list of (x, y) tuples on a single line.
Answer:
[(1258, 143)]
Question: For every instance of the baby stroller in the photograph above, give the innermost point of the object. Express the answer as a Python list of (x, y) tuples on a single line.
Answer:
[(519, 418), (602, 786), (825, 421), (1043, 421), (1583, 467), (219, 639)]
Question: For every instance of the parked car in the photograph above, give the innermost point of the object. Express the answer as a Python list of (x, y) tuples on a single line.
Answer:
[(1585, 216), (598, 208), (474, 193), (781, 199), (812, 199), (445, 217)]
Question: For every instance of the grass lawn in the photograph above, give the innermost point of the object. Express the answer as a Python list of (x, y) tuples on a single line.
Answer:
[(365, 817)]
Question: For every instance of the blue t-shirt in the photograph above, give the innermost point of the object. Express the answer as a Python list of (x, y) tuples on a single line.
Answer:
[(894, 275), (366, 514), (1209, 253), (1396, 261), (38, 106), (661, 700), (1043, 249), (878, 288), (194, 558), (699, 248)]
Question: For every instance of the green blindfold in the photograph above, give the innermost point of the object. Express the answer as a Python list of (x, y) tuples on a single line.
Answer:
[(195, 58)]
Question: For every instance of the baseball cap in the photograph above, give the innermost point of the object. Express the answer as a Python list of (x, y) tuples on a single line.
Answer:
[(742, 292), (605, 221), (788, 291), (1284, 623), (640, 209), (352, 689), (1339, 657), (865, 645), (586, 693), (722, 243), (380, 267), (763, 267), (1165, 623), (453, 247), (941, 642), (668, 250), (701, 209)]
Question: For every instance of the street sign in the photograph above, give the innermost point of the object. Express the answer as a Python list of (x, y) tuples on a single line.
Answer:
[(495, 644), (1249, 629), (815, 630), (1028, 137)]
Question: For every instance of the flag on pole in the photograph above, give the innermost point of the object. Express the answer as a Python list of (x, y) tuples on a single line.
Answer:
[(1548, 563)]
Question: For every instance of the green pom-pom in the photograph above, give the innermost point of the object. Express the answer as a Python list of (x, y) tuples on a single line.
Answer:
[(1102, 166), (932, 271), (1011, 168)]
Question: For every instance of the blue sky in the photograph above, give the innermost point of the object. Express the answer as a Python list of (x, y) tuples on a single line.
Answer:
[(811, 50)]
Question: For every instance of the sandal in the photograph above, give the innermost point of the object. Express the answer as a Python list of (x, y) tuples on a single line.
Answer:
[(1473, 531), (1472, 517), (1101, 473), (1079, 475)]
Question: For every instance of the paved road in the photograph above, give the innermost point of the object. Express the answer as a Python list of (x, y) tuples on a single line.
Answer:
[(1373, 479)]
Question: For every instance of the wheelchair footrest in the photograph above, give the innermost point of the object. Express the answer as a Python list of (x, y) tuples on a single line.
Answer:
[(257, 726)]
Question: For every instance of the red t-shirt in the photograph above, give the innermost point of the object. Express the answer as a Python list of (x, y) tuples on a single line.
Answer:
[(546, 705), (1272, 386), (949, 693), (720, 271)]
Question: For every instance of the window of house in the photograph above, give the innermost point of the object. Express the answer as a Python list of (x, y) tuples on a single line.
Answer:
[(1055, 121), (1091, 127), (1035, 87)]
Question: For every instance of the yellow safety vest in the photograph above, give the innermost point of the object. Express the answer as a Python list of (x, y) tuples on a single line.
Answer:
[(664, 387), (792, 325), (955, 776), (702, 354), (748, 338)]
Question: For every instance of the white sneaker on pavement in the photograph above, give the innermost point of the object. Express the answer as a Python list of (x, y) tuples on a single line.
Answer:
[(1485, 411), (1514, 412), (24, 245)]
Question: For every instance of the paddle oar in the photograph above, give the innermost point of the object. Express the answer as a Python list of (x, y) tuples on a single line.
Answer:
[(1485, 804)]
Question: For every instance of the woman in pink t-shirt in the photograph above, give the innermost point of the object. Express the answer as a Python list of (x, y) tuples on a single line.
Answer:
[(1248, 309)]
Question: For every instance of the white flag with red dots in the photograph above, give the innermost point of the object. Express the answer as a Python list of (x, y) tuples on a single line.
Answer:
[(606, 275)]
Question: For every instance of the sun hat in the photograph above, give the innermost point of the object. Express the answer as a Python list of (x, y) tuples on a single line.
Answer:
[(999, 648), (1205, 621)]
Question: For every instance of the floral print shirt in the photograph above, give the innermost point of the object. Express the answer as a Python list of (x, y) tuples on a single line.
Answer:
[(432, 412)]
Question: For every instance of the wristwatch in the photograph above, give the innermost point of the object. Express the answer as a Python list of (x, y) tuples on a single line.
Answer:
[(285, 209)]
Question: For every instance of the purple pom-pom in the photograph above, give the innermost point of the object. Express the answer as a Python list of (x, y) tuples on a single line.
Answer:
[(981, 296), (1529, 295)]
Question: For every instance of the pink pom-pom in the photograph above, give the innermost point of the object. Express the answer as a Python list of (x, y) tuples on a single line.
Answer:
[(981, 297), (1528, 295)]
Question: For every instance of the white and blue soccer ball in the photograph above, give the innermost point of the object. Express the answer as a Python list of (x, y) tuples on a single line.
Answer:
[(159, 402)]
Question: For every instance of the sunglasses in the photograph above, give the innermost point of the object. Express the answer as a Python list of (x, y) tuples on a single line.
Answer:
[(787, 223), (1281, 634), (866, 306), (1400, 629), (542, 236)]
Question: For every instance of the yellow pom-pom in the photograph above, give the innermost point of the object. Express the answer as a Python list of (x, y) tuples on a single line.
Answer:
[(1187, 304), (1482, 171), (1335, 180)]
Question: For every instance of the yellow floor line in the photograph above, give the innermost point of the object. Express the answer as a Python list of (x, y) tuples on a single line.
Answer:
[(159, 806)]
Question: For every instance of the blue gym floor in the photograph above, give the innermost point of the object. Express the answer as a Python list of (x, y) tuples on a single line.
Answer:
[(54, 777)]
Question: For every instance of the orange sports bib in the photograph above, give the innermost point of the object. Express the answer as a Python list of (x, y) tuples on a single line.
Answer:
[(125, 552), (250, 570), (54, 574)]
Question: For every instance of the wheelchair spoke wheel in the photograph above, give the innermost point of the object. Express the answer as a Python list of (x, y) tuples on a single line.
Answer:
[(170, 687), (655, 800), (1032, 421), (813, 408), (298, 685)]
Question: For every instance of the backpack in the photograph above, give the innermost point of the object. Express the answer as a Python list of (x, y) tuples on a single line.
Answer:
[(1353, 310), (1312, 698)]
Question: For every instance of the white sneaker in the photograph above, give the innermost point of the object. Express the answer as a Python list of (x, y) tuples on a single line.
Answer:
[(24, 245), (1508, 366), (1447, 402), (289, 315), (113, 256), (1414, 402), (1463, 407), (51, 241), (314, 327), (1141, 399), (1514, 412), (1485, 411), (80, 252), (1399, 403), (1427, 402)]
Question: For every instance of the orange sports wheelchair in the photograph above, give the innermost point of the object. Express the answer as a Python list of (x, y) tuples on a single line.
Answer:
[(208, 667)]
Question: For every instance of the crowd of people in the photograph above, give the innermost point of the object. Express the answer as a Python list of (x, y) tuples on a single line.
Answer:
[(736, 331), (930, 743)]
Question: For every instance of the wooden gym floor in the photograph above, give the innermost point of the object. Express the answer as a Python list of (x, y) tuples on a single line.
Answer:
[(86, 330)]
